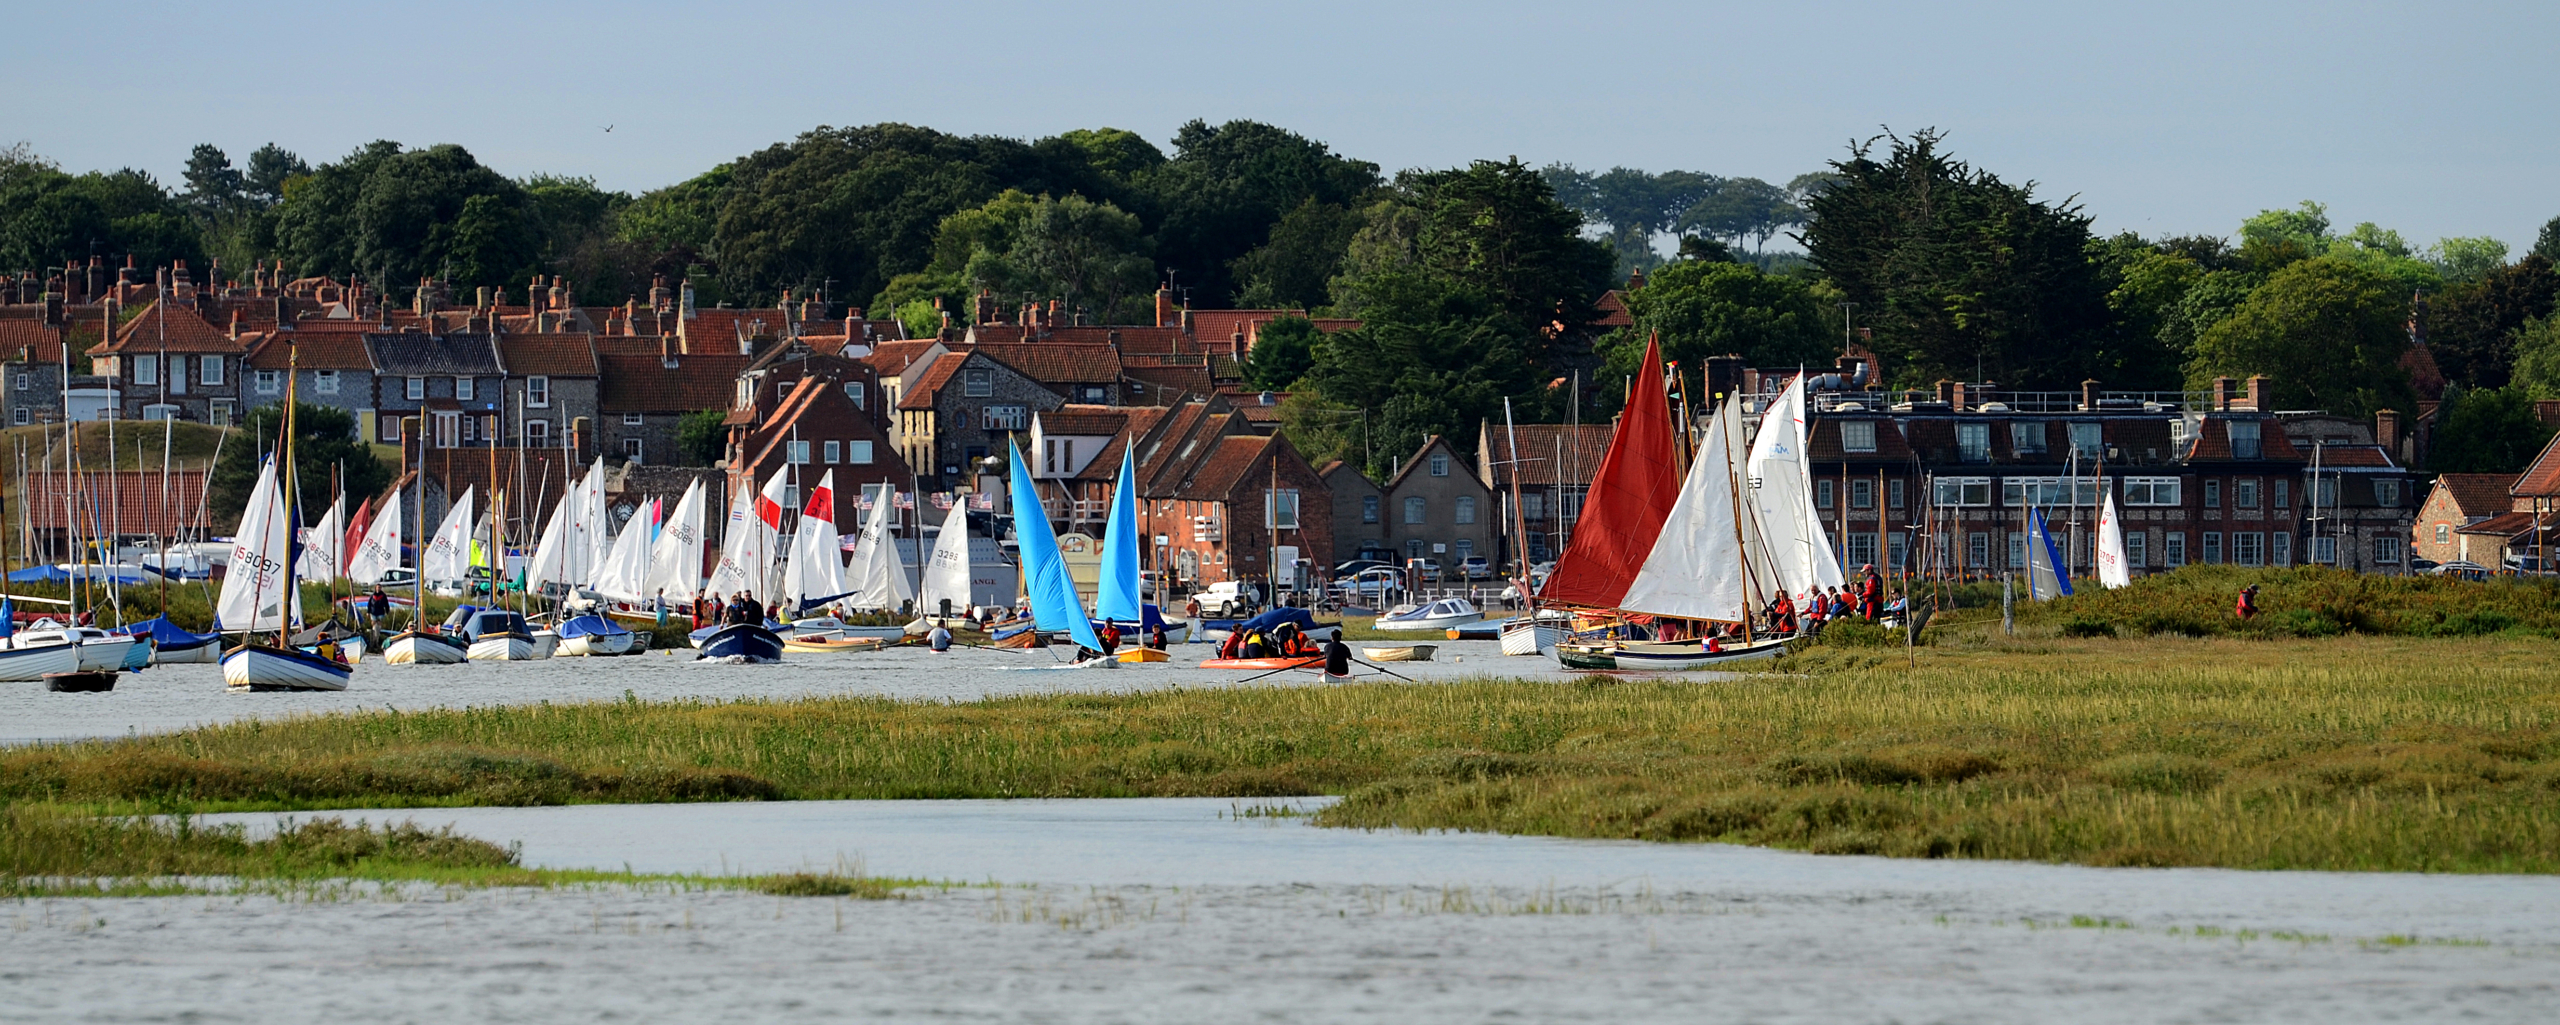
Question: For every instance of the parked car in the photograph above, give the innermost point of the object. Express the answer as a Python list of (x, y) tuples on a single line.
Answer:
[(1424, 570), (1352, 568), (1374, 584), (1227, 599), (1475, 567)]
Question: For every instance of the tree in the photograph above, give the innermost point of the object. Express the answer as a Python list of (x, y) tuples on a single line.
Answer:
[(2329, 334), (700, 437), (2467, 259), (2471, 325), (1703, 309), (48, 218), (2537, 349), (2486, 431), (1421, 378), (1294, 269), (1092, 256), (393, 215), (1228, 186), (325, 444), (1739, 209), (1283, 352), (1956, 270), (271, 169), (1492, 229), (1634, 205), (2547, 244), (212, 183)]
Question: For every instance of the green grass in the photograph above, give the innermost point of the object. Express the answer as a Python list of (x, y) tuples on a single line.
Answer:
[(2348, 753), (2307, 601)]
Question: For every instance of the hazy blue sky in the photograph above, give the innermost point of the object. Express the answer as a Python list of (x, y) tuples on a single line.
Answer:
[(2435, 119)]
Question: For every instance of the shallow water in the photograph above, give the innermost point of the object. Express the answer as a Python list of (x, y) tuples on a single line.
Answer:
[(175, 697), (1180, 910)]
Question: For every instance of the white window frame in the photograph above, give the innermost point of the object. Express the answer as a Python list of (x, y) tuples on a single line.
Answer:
[(2248, 548), (1862, 495), (833, 450), (2279, 549), (1857, 435), (2017, 549), (797, 453), (1005, 418), (2386, 493), (1466, 509), (2027, 438), (1973, 442), (465, 389), (2088, 438), (1280, 508), (416, 389), (1822, 492), (635, 419), (2137, 547), (632, 450), (324, 382), (1961, 492), (858, 452), (2213, 551), (2234, 429), (270, 382), (2151, 491), (537, 434), (2244, 492), (2387, 549), (537, 391), (1439, 464), (1417, 511), (211, 371), (854, 391), (2324, 549), (146, 371), (2173, 549)]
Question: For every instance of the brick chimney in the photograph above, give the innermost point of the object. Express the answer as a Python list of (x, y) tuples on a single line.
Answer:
[(661, 298), (2220, 400), (1946, 391), (2386, 430), (1962, 399), (130, 275), (1164, 306), (2089, 395), (982, 309), (2258, 398)]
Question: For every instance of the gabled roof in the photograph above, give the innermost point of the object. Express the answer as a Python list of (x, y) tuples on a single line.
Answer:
[(1167, 384), (426, 355), (1138, 421), (2479, 494), (1225, 465), (2355, 457), (646, 384), (2213, 440), (1613, 311), (181, 330), (2506, 524), (1422, 455), (42, 342), (1083, 420), (1057, 363), (2542, 479), (1825, 445), (927, 388), (891, 358), (553, 355)]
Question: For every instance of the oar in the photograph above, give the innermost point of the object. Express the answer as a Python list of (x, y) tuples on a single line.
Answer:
[(1384, 669), (1276, 672)]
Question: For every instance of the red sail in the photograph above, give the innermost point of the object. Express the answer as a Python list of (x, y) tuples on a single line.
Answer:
[(1630, 497)]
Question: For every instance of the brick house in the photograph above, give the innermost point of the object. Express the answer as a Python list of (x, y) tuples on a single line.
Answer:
[(814, 426), (1359, 512), (453, 380), (1206, 484), (330, 368), (552, 381), (167, 360), (2458, 501), (961, 408), (1437, 511), (642, 400), (1554, 466)]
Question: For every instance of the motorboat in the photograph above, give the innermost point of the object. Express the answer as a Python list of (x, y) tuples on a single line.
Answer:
[(261, 667), (100, 651), (1537, 633), (413, 647), (1435, 617), (592, 635), (696, 637), (1401, 653), (741, 643)]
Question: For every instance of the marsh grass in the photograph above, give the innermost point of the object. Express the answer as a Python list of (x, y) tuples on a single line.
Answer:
[(2347, 753)]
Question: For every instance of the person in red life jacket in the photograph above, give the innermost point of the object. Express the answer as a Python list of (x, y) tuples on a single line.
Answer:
[(1233, 645), (1782, 614), (2247, 607), (1110, 638), (1871, 594)]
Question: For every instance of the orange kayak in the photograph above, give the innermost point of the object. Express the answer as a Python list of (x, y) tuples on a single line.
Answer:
[(1263, 663)]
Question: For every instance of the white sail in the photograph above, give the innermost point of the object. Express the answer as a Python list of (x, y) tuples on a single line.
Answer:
[(323, 548), (1782, 481), (1697, 569), (946, 574), (380, 551), (675, 562), (551, 554), (2047, 576), (254, 588), (594, 526), (748, 548), (737, 539), (817, 568), (877, 576), (626, 565), (2112, 569), (449, 552)]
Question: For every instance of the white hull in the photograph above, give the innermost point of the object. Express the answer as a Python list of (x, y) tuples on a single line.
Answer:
[(1431, 624), (409, 649), (256, 668), (545, 644), (502, 648), (28, 665), (599, 645), (1675, 656), (1522, 637), (104, 654), (354, 649)]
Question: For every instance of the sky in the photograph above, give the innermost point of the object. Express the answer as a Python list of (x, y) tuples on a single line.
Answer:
[(2161, 118)]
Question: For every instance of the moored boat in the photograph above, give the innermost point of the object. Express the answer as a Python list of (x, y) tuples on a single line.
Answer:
[(593, 635), (744, 643), (1292, 662), (1434, 617), (497, 635), (1401, 653), (546, 643), (821, 644), (1534, 634), (28, 665), (172, 644), (262, 667), (410, 647), (1137, 655)]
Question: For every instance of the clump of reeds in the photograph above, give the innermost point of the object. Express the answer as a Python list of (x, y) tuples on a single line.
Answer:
[(40, 844), (825, 884), (2304, 601)]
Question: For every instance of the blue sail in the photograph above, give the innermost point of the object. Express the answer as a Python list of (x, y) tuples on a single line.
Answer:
[(1118, 596), (2047, 578), (1044, 571)]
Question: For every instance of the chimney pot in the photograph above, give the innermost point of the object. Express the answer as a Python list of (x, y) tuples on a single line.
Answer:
[(2089, 394), (2258, 398)]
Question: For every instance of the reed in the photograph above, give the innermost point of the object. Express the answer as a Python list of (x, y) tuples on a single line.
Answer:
[(2359, 752)]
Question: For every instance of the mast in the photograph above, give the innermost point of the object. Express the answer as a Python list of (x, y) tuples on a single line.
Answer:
[(1519, 516), (418, 611), (292, 598)]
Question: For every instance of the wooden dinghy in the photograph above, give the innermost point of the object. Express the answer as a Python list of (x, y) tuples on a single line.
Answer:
[(815, 643), (1401, 653), (1144, 655)]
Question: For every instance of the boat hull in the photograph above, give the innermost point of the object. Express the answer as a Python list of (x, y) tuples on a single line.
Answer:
[(205, 651), (1587, 656), (1430, 624), (259, 667), (1307, 661), (29, 665), (414, 648), (1526, 637), (505, 647), (814, 644), (1137, 655), (104, 654), (545, 644), (1401, 653), (1660, 656), (743, 643), (599, 645)]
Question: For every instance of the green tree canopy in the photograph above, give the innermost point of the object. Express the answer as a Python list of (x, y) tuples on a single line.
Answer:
[(1283, 352), (1227, 186), (325, 443), (1296, 267), (2328, 333), (2486, 431), (392, 216), (1702, 309), (1956, 269), (49, 218), (2471, 326), (701, 438)]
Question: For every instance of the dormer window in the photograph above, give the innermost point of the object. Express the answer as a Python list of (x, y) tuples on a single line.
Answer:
[(1857, 435), (2244, 440)]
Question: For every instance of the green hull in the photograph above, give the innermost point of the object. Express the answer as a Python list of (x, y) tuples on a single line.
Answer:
[(1575, 656)]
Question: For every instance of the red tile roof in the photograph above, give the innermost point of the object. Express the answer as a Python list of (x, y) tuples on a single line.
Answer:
[(2480, 494), (1168, 384), (645, 384), (1084, 420), (184, 331), (1613, 311), (554, 355), (126, 500), (1225, 466), (1057, 363), (1549, 453), (42, 342), (2506, 524), (922, 396), (2338, 457), (311, 350), (2542, 479), (891, 358)]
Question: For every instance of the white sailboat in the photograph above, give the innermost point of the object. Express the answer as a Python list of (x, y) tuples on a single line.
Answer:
[(379, 553), (877, 577), (259, 591), (2048, 577), (814, 579), (946, 573), (1781, 478), (448, 557), (626, 565), (675, 561), (324, 546), (2113, 571)]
